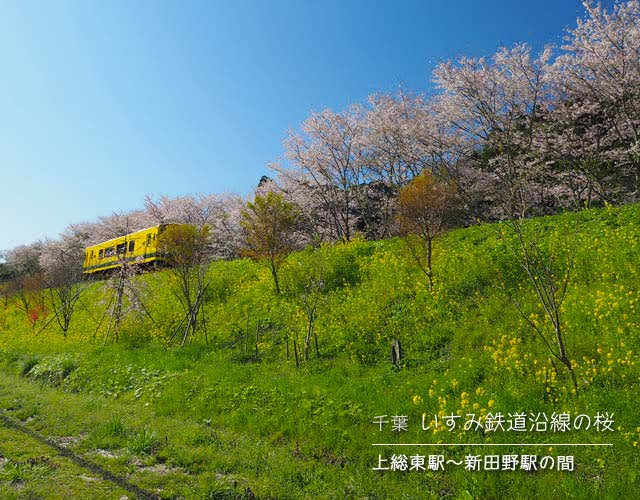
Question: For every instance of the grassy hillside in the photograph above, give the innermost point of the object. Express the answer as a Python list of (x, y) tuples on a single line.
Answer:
[(229, 417)]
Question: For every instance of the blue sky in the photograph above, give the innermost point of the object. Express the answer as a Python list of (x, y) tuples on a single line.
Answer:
[(104, 102)]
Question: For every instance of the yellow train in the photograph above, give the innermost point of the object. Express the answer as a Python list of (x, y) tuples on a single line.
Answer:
[(140, 247)]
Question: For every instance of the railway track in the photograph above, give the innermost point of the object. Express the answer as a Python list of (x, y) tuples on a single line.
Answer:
[(96, 469)]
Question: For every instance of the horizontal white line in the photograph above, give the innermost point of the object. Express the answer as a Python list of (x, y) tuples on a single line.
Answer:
[(492, 444)]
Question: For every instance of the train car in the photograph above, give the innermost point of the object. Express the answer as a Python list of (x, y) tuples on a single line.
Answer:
[(139, 248)]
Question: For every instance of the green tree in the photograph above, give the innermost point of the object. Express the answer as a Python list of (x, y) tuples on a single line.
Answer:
[(270, 225)]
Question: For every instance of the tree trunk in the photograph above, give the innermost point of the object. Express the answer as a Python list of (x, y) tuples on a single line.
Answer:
[(295, 352), (307, 339), (274, 273), (430, 272), (257, 330), (564, 358)]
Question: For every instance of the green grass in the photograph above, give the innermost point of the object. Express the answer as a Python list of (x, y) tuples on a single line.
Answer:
[(212, 420)]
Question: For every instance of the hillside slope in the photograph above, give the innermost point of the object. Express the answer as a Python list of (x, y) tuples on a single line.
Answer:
[(229, 416)]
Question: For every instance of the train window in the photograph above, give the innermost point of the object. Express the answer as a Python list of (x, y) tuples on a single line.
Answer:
[(148, 239), (101, 254), (132, 245), (109, 252), (121, 248)]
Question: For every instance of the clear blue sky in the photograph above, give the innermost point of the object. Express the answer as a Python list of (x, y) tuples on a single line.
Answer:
[(104, 102)]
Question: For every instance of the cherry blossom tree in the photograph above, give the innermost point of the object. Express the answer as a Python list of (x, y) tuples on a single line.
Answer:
[(62, 264), (598, 81), (328, 159), (393, 151), (221, 213), (493, 108), (26, 283), (499, 110)]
